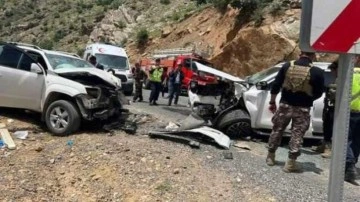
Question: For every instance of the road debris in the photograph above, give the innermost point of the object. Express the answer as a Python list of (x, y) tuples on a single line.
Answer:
[(70, 143), (129, 127), (2, 144), (242, 145), (205, 134), (175, 138), (172, 126), (2, 125), (191, 122), (176, 171), (39, 149), (6, 137), (228, 155), (10, 120), (22, 135)]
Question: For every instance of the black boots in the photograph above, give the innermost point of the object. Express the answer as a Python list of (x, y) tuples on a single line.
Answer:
[(351, 173)]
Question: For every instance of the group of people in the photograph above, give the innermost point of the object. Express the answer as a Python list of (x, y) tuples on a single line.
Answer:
[(301, 84), (158, 80)]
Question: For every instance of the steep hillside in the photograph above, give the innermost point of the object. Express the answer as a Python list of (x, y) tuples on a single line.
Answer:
[(69, 24), (238, 41)]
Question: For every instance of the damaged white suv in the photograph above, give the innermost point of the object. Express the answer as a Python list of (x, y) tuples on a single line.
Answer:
[(64, 88), (240, 107)]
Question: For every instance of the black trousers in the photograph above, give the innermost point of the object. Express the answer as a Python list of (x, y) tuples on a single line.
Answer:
[(328, 123), (353, 147), (175, 92), (155, 91)]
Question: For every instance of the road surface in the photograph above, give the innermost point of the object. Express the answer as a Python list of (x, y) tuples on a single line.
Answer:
[(310, 185)]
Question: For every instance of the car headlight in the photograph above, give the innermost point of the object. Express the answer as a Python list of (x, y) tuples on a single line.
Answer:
[(130, 76), (93, 92)]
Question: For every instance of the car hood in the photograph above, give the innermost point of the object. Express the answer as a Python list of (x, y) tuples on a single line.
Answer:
[(207, 69), (105, 76)]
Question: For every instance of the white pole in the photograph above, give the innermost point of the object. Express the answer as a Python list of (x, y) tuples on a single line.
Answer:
[(341, 127)]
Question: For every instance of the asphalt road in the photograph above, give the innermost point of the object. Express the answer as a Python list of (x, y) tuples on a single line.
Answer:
[(310, 185)]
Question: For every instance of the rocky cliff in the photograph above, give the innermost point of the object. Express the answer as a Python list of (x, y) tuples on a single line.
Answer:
[(268, 37)]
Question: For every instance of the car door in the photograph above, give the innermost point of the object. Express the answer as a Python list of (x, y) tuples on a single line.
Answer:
[(19, 87)]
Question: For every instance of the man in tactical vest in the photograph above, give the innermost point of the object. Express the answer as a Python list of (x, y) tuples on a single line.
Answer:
[(156, 73), (328, 114), (301, 84), (353, 146)]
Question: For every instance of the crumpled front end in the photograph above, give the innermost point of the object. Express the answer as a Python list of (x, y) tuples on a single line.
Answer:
[(100, 102)]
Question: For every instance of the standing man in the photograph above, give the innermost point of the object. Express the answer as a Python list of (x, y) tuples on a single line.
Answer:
[(353, 146), (328, 114), (175, 79), (301, 84), (139, 76), (155, 74), (93, 61)]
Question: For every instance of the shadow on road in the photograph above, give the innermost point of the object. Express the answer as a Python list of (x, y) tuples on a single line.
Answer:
[(306, 167), (183, 111)]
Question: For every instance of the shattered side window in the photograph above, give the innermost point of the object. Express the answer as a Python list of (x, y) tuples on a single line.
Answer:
[(9, 57)]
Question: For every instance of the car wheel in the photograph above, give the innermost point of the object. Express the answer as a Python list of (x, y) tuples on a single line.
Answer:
[(62, 118), (235, 124)]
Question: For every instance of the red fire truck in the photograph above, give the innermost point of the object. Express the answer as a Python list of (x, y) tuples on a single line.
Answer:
[(170, 58)]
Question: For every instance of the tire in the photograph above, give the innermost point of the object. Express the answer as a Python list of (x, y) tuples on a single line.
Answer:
[(55, 113), (235, 124)]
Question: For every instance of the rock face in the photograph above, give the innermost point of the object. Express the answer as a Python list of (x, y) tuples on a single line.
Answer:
[(237, 50), (252, 50)]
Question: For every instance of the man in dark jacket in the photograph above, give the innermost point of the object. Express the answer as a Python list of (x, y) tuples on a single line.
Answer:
[(175, 79), (301, 84), (93, 61)]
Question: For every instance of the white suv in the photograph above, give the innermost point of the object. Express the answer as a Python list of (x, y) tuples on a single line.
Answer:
[(61, 86), (243, 106)]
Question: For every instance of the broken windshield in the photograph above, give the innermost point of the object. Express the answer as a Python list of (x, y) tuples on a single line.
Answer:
[(62, 61), (112, 61), (255, 78)]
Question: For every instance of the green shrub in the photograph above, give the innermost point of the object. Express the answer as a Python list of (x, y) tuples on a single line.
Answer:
[(165, 2), (123, 42), (120, 24), (276, 8), (175, 16), (46, 44), (59, 34), (56, 15), (142, 37), (116, 4), (103, 2), (199, 2), (221, 5)]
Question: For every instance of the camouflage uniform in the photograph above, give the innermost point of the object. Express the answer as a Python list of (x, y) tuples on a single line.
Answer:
[(301, 84), (300, 118), (139, 75)]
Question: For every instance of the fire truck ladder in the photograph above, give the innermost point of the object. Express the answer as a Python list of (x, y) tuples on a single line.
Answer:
[(166, 53)]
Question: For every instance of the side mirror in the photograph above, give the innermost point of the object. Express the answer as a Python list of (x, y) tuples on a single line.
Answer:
[(35, 68), (262, 85)]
